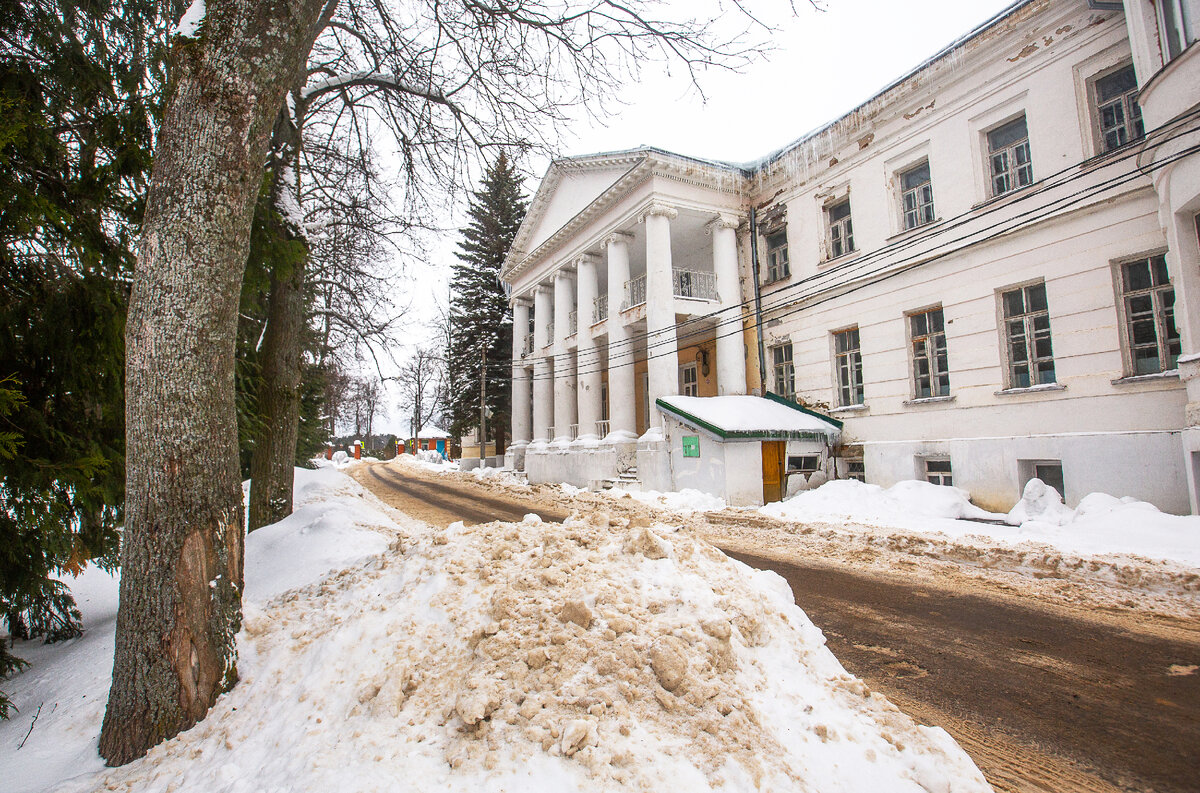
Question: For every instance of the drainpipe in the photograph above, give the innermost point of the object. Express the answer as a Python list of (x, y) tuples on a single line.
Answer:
[(758, 319)]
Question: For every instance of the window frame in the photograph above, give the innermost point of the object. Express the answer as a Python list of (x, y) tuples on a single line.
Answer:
[(1156, 293), (930, 355), (683, 381), (931, 213), (782, 368), (777, 270), (1011, 148), (1028, 319), (1128, 102), (844, 388), (843, 226), (945, 477)]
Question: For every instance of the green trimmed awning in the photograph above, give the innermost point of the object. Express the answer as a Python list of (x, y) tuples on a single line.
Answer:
[(751, 418)]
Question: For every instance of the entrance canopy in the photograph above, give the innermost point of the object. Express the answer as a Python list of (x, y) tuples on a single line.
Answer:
[(751, 418)]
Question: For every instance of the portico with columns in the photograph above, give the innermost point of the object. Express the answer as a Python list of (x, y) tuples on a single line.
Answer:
[(626, 287)]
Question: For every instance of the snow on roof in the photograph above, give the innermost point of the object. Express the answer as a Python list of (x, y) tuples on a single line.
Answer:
[(432, 432), (731, 417)]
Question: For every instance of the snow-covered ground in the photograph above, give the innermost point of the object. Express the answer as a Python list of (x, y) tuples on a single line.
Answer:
[(382, 655), (1101, 525)]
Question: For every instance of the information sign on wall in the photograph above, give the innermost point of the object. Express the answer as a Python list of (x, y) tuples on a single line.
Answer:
[(691, 445)]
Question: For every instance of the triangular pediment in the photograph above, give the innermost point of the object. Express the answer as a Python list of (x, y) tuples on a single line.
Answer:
[(569, 187)]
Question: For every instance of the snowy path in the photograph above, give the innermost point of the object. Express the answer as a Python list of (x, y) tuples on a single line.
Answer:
[(1046, 694)]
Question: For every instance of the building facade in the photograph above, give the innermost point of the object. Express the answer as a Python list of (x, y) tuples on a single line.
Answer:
[(987, 272)]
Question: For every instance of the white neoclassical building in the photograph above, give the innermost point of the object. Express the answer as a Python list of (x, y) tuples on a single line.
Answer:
[(987, 272)]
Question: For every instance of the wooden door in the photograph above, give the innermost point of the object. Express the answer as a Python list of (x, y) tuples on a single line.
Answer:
[(772, 467)]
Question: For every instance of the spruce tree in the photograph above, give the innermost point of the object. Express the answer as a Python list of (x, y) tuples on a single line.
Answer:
[(479, 317)]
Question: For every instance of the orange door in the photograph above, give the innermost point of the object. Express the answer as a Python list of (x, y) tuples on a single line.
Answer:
[(772, 466)]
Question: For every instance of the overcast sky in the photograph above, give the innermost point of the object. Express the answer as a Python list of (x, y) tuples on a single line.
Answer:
[(824, 63)]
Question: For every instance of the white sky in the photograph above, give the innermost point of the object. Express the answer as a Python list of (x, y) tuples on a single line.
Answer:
[(824, 64)]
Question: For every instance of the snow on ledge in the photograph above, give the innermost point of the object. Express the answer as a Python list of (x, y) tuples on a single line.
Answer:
[(737, 414)]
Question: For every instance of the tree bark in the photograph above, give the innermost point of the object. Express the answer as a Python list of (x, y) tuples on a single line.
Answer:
[(182, 546), (274, 454), (279, 401)]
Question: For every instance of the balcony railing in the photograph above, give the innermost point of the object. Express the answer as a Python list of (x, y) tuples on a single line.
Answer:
[(602, 427), (549, 333), (527, 345), (691, 284), (550, 432), (694, 284), (572, 323), (635, 293), (574, 431), (600, 309)]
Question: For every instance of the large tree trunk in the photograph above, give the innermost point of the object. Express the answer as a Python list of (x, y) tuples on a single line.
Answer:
[(274, 453), (279, 401), (181, 556)]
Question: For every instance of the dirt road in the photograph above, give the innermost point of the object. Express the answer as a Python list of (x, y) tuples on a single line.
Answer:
[(1042, 699)]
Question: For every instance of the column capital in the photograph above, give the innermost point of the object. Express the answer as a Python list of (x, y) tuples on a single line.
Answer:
[(723, 220), (587, 258), (522, 300), (544, 289), (618, 238), (659, 208)]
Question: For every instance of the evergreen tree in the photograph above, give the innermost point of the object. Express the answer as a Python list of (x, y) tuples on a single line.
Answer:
[(78, 94), (480, 324)]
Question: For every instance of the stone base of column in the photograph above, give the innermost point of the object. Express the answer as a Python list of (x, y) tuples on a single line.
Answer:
[(1189, 373), (620, 436), (514, 455)]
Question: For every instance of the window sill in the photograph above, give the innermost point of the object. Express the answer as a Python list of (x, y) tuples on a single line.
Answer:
[(914, 231), (849, 409), (1003, 198), (845, 257), (779, 280), (1033, 389), (1170, 374), (929, 400)]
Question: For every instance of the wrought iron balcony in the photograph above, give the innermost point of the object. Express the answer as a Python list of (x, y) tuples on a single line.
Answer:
[(572, 323), (635, 293), (549, 333), (694, 284), (527, 345), (600, 309)]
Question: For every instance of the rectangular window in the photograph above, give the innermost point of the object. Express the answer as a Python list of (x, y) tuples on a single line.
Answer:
[(916, 191), (785, 375), (1051, 473), (1176, 26), (689, 381), (841, 232), (777, 256), (1149, 303), (1027, 337), (856, 469), (1117, 110), (1008, 156), (803, 464), (931, 368), (937, 471), (645, 401), (848, 362)]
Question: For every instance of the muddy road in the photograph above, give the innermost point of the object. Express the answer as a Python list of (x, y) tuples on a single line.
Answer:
[(1043, 699)]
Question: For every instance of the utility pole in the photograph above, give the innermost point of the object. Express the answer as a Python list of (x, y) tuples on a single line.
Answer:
[(482, 403)]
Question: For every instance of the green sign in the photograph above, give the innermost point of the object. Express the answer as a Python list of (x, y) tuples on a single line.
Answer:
[(691, 445)]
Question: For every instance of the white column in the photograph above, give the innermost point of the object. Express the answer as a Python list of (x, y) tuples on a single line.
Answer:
[(622, 399), (587, 352), (520, 376), (731, 347), (543, 385), (662, 344), (564, 363)]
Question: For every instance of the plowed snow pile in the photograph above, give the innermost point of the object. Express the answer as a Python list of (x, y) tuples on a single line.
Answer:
[(545, 657)]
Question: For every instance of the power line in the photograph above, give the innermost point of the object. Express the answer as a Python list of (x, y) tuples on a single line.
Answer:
[(849, 273)]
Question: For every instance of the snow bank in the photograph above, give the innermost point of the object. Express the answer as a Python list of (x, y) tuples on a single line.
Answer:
[(330, 529), (686, 500), (530, 656), (1102, 525), (903, 500)]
